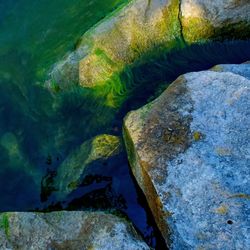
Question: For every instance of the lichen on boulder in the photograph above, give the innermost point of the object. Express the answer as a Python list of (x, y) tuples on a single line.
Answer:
[(188, 150), (202, 20), (138, 30)]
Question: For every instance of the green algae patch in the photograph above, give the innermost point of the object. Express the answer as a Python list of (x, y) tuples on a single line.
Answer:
[(4, 224), (96, 69), (197, 136), (104, 146), (197, 29)]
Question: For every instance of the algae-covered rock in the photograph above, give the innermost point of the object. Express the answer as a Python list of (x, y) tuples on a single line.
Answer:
[(189, 151), (67, 230), (140, 29), (220, 19), (119, 40), (70, 172)]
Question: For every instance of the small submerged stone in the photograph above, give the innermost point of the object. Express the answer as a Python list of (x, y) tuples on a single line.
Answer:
[(203, 20), (69, 173)]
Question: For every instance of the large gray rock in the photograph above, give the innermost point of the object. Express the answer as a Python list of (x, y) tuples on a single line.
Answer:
[(67, 230), (204, 19), (189, 151)]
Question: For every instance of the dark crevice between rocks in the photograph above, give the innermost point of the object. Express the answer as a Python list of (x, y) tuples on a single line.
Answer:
[(180, 23)]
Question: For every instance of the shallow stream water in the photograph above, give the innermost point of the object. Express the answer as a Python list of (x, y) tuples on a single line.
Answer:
[(39, 129)]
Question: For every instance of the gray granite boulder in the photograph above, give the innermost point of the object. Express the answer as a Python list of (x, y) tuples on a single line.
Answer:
[(67, 230), (205, 19), (189, 151)]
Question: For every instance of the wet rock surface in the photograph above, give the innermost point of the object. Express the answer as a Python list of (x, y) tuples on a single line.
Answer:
[(118, 40), (67, 230), (189, 151), (140, 27), (202, 19)]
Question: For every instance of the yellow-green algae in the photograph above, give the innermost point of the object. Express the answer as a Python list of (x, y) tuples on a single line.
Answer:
[(241, 196), (123, 42), (198, 29), (4, 224), (124, 38), (197, 135), (223, 209)]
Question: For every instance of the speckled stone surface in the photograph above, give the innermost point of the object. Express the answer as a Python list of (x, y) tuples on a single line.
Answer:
[(67, 230), (204, 19), (189, 151), (243, 70)]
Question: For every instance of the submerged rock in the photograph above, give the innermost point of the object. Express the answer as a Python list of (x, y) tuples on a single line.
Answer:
[(67, 230), (189, 152), (70, 172), (220, 19)]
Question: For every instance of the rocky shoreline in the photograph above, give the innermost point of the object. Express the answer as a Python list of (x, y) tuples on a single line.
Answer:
[(188, 149)]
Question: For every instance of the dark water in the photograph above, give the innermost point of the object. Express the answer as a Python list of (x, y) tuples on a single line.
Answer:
[(38, 129)]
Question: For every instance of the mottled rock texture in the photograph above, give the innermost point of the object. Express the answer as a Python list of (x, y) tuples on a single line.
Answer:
[(67, 230), (204, 19), (189, 151), (119, 40), (223, 19), (243, 70)]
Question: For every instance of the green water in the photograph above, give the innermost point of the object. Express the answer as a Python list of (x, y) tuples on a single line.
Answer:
[(47, 29), (33, 36), (38, 129)]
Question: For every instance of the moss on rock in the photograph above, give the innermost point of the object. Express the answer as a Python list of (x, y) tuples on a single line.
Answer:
[(70, 171), (4, 224)]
